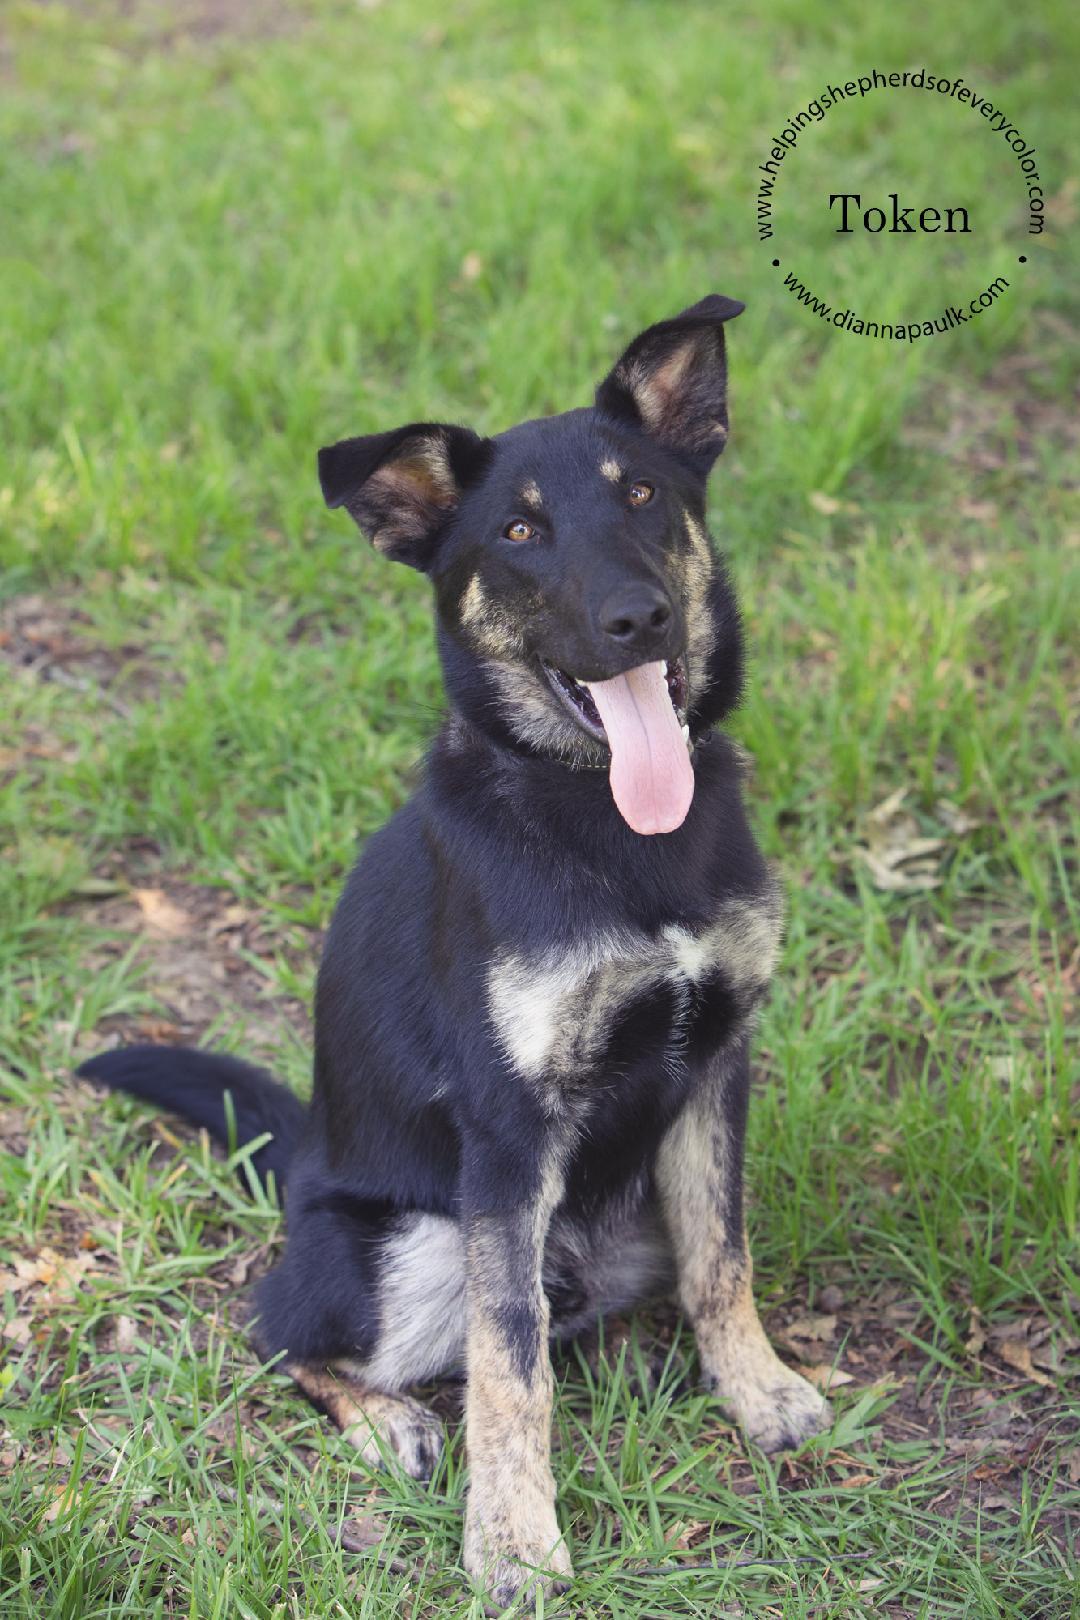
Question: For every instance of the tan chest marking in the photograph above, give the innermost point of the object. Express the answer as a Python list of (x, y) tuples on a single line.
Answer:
[(552, 1014)]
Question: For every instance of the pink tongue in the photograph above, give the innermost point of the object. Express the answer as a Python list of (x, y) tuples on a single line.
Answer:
[(652, 779)]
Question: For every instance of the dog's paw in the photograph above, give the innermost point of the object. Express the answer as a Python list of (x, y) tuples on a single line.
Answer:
[(514, 1557), (401, 1426), (778, 1411)]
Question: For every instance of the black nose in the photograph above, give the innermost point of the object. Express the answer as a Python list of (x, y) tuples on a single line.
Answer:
[(636, 616)]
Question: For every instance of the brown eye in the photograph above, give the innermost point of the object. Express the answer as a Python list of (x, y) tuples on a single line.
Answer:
[(519, 530), (640, 494)]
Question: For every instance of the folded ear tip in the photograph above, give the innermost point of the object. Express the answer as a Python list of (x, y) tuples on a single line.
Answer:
[(718, 307)]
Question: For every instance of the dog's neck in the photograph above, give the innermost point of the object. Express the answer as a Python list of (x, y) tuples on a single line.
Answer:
[(463, 736)]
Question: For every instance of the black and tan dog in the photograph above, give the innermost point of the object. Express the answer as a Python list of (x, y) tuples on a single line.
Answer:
[(534, 1007)]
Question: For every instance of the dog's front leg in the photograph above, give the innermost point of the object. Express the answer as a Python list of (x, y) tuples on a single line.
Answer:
[(700, 1176), (512, 1538)]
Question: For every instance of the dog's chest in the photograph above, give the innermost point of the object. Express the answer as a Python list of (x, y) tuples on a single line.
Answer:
[(613, 999)]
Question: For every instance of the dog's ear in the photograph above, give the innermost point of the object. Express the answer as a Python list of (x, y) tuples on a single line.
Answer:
[(672, 381), (400, 487)]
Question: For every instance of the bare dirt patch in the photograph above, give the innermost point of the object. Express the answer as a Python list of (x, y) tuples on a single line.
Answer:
[(204, 955), (1003, 422), (48, 638), (148, 23)]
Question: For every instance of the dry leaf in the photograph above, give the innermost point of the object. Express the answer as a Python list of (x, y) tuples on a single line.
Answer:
[(66, 1497), (472, 266), (887, 877), (1018, 1354), (160, 914), (812, 1327), (870, 1583), (240, 1269), (362, 1530), (57, 1277), (36, 1268), (232, 918), (826, 1376), (956, 820), (828, 505), (1052, 1354), (855, 1481), (980, 511), (124, 1334), (976, 1341), (895, 852)]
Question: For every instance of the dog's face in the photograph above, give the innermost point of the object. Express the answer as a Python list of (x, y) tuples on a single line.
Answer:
[(583, 614)]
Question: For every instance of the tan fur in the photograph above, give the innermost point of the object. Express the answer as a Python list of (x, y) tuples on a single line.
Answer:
[(611, 471), (775, 1406), (695, 569), (744, 942), (510, 1523), (531, 496), (535, 716), (489, 628), (553, 1013), (421, 1304), (655, 389), (529, 708), (665, 396), (408, 487), (374, 1422)]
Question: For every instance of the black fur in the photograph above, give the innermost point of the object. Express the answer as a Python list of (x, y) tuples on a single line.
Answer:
[(512, 844), (195, 1085)]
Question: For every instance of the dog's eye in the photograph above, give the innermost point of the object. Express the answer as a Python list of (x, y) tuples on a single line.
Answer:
[(640, 494), (519, 530)]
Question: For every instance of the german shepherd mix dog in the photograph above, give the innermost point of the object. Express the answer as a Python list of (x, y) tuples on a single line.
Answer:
[(535, 1003)]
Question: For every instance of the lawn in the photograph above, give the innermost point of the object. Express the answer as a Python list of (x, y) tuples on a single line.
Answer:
[(233, 232)]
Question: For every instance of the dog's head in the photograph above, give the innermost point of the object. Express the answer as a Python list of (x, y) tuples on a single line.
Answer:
[(582, 612)]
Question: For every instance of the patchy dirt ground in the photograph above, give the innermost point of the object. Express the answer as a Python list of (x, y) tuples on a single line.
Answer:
[(46, 638), (999, 1425), (201, 953), (152, 24)]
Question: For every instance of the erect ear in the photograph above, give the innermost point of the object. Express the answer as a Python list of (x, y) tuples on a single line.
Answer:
[(400, 487), (672, 381)]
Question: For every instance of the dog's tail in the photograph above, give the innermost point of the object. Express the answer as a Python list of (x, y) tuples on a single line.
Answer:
[(195, 1084)]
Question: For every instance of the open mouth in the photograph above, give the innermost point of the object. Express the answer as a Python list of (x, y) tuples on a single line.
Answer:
[(641, 716), (578, 701)]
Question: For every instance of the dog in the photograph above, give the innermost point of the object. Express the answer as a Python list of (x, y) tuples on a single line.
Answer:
[(535, 1002)]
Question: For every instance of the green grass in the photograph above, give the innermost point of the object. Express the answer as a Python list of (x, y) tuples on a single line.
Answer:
[(231, 234)]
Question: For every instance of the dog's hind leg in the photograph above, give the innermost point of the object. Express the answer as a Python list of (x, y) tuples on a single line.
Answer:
[(376, 1423), (410, 1330)]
